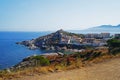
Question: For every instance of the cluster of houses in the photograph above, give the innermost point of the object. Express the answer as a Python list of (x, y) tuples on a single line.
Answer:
[(93, 39), (96, 39), (65, 39), (89, 39)]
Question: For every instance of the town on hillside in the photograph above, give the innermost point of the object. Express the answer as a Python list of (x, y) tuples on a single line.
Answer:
[(62, 40)]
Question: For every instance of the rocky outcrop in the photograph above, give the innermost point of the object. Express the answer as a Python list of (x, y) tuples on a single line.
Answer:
[(30, 44), (53, 41)]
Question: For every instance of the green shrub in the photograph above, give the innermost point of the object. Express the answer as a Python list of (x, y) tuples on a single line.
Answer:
[(114, 46), (113, 43), (40, 60)]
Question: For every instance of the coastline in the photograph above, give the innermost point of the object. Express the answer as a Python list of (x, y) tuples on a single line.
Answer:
[(81, 55)]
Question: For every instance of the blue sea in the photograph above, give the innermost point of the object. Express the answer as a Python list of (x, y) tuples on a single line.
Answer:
[(12, 53)]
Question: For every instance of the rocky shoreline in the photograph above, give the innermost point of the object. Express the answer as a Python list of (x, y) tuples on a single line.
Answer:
[(28, 44)]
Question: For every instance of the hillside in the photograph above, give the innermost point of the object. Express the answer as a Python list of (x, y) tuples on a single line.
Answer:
[(108, 70), (53, 40)]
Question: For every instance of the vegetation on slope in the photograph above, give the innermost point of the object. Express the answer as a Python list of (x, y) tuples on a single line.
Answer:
[(114, 46), (42, 61)]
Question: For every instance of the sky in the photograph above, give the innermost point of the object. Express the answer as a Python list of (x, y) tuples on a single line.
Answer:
[(47, 15)]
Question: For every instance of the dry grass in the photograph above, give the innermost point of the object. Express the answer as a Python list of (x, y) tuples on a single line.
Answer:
[(20, 73), (38, 70), (104, 58)]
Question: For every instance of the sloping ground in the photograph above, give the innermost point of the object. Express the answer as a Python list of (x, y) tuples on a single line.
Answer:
[(108, 70)]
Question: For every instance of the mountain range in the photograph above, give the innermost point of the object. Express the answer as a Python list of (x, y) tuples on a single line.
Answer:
[(99, 29)]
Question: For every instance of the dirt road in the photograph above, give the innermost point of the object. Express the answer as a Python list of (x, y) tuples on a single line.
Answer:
[(109, 70)]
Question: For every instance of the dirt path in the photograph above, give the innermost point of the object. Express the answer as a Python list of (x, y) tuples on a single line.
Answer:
[(109, 70)]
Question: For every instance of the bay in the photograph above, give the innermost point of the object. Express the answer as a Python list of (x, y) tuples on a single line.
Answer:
[(12, 53)]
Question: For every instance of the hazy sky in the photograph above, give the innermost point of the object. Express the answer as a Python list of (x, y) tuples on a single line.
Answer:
[(44, 15)]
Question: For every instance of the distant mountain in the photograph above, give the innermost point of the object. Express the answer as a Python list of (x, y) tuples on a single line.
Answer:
[(109, 26), (99, 29)]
